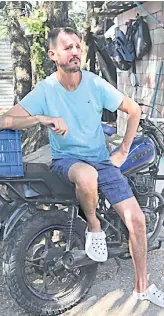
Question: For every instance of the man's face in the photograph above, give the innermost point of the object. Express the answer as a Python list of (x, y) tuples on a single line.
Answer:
[(67, 52)]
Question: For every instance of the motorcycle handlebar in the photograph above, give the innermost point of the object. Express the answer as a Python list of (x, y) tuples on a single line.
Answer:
[(159, 142), (148, 127)]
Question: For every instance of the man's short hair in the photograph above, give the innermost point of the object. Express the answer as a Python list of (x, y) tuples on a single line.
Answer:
[(53, 35)]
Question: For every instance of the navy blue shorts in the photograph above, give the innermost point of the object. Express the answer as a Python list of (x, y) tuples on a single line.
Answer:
[(111, 182)]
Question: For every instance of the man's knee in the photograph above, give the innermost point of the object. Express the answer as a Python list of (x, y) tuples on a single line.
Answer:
[(136, 215), (87, 180), (132, 215), (135, 220), (83, 176)]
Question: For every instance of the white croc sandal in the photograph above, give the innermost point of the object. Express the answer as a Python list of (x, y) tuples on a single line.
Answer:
[(95, 245), (152, 294)]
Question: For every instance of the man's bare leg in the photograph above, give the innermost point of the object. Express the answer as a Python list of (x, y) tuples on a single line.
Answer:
[(134, 219), (85, 177)]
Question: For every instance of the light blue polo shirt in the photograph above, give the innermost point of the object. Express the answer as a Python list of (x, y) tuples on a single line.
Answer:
[(81, 110)]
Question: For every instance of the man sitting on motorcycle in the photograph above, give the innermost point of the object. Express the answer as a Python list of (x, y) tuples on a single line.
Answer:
[(70, 103)]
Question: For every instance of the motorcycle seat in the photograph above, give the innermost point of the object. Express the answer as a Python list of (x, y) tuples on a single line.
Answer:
[(50, 184), (40, 183), (108, 130)]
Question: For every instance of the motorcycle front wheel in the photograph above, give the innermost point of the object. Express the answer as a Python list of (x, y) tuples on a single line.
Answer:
[(40, 286)]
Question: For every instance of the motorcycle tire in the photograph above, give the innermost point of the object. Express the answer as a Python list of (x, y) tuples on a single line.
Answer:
[(14, 257)]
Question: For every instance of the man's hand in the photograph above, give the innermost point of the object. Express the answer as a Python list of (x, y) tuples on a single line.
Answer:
[(57, 124), (118, 158)]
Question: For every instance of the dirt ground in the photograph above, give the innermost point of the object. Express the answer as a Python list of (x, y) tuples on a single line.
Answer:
[(110, 294)]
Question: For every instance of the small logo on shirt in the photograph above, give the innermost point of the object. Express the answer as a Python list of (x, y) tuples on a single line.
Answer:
[(89, 101)]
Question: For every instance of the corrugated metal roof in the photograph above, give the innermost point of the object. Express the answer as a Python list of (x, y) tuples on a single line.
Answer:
[(5, 55), (113, 8), (118, 7), (6, 76)]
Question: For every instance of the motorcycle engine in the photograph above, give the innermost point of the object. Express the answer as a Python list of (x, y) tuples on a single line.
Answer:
[(151, 219), (142, 186)]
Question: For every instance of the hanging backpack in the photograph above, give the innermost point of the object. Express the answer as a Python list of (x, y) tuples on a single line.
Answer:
[(117, 49), (142, 39)]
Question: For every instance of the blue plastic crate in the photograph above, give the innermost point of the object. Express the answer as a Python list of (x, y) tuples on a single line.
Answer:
[(11, 164)]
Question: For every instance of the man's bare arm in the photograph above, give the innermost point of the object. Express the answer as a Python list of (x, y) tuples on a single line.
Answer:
[(134, 112), (17, 119)]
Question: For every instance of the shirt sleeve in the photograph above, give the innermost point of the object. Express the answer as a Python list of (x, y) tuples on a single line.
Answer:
[(35, 101), (111, 97)]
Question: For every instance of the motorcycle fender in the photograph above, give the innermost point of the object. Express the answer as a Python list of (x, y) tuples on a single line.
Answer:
[(14, 219)]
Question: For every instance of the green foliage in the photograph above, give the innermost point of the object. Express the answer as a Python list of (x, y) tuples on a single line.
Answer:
[(3, 24), (3, 31), (35, 26)]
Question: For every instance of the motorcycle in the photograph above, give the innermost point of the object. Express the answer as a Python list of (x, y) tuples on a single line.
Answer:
[(45, 266)]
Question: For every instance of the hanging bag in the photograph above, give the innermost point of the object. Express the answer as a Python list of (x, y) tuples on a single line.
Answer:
[(118, 50), (142, 39)]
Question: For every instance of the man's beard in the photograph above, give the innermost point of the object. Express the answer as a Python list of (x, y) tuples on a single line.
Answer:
[(66, 67)]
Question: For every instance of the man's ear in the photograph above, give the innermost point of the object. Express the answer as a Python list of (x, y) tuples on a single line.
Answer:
[(52, 54)]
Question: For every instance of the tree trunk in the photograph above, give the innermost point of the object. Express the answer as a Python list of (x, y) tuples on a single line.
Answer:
[(20, 52), (37, 136)]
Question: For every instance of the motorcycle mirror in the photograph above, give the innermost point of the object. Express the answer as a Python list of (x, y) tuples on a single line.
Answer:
[(134, 80)]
